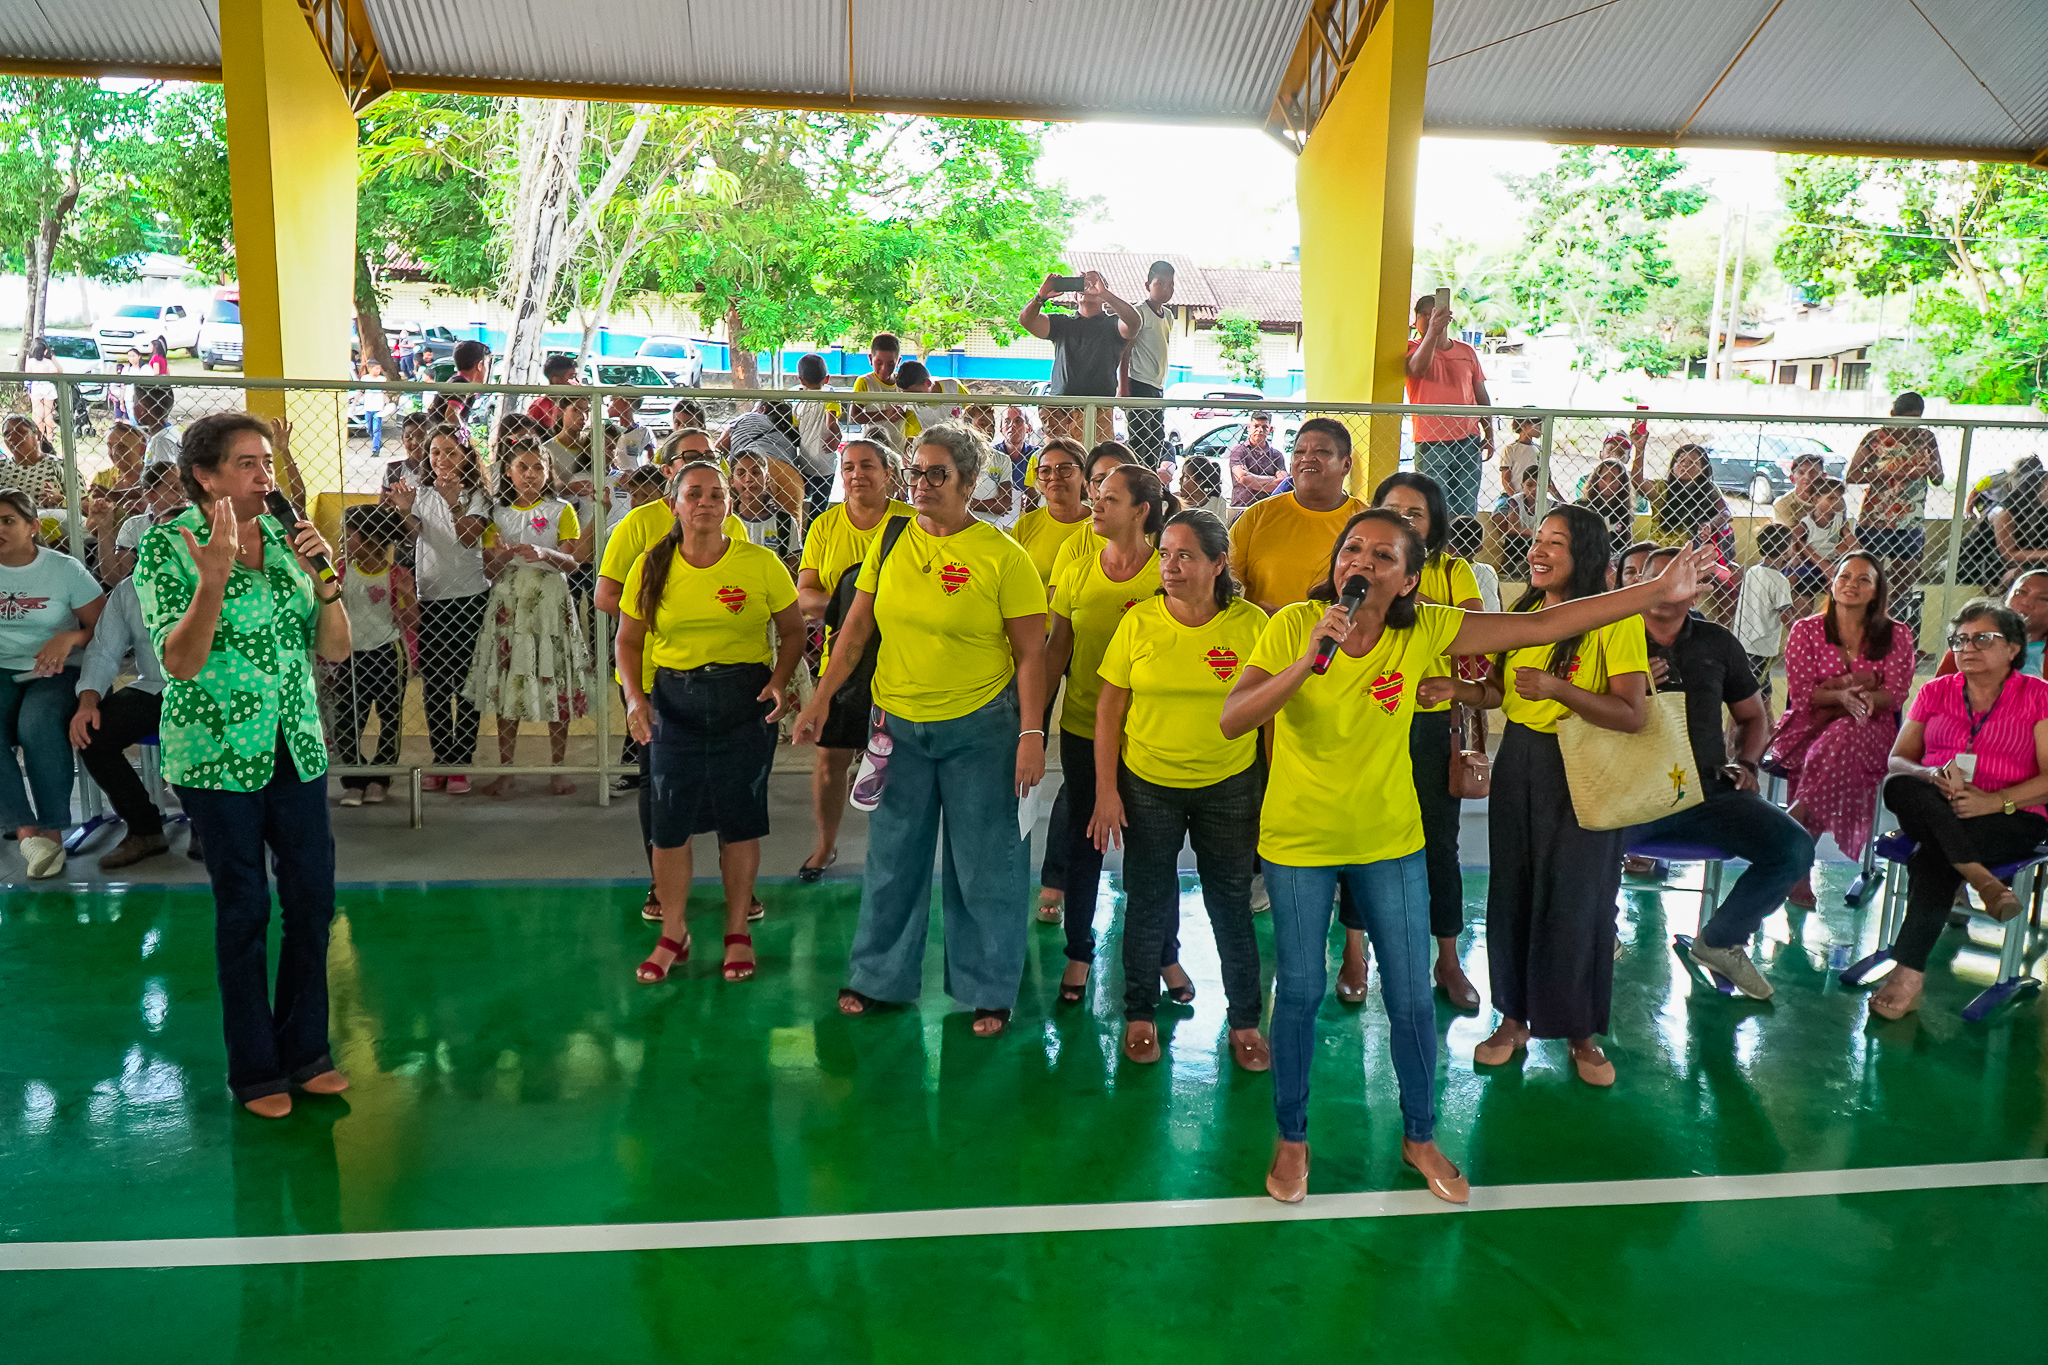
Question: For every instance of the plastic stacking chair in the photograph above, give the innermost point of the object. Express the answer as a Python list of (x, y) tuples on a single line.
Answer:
[(94, 801), (1866, 879), (1711, 859), (2023, 876)]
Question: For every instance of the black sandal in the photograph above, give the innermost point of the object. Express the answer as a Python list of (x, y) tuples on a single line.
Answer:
[(868, 1004), (1179, 995), (1000, 1016), (1071, 994)]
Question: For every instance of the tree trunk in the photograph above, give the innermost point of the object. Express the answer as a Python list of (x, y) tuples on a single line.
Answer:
[(370, 338), (550, 139), (746, 374), (42, 257)]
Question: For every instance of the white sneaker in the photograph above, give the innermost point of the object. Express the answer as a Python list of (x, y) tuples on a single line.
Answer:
[(374, 794), (45, 856), (1261, 902), (352, 796)]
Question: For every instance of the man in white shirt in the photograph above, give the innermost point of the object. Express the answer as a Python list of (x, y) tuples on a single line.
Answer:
[(630, 448), (817, 426), (107, 721), (153, 415), (1143, 369)]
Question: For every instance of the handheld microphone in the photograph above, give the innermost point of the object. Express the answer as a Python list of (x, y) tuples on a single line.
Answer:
[(1326, 649), (280, 506)]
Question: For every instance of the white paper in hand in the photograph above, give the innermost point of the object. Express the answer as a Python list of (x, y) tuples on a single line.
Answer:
[(1029, 807)]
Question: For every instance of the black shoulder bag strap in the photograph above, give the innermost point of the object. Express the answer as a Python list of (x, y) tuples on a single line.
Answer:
[(854, 690)]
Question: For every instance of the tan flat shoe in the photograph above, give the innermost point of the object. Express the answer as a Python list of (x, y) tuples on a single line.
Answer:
[(270, 1106), (1456, 985), (1141, 1042), (1891, 1009), (1287, 1191), (1353, 990), (1452, 1188), (1249, 1049), (326, 1083), (1593, 1067), (1493, 1052), (1052, 912), (2002, 906)]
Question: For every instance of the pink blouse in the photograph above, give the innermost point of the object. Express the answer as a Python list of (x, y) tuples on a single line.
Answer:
[(2004, 743)]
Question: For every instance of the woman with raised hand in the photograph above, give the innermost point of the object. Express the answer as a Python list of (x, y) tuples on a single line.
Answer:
[(836, 544), (962, 616), (1552, 886), (450, 514), (1088, 603), (1162, 778), (699, 606), (1341, 748)]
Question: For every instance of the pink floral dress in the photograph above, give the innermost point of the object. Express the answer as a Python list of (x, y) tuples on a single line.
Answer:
[(1835, 763)]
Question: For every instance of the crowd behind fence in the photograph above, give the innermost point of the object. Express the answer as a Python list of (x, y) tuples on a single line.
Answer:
[(442, 648)]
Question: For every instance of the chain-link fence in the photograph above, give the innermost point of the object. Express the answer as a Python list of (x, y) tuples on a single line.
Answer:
[(473, 520)]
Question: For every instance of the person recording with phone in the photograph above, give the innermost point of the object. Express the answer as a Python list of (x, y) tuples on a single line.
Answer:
[(1087, 346), (1969, 783), (1340, 747), (237, 618)]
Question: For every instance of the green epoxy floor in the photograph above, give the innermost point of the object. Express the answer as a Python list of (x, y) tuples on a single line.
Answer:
[(510, 1072)]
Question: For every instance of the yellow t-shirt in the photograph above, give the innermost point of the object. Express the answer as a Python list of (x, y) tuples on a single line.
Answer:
[(1446, 581), (1082, 544), (1603, 654), (1279, 549), (833, 544), (909, 427), (640, 528), (1178, 677), (1342, 790), (1094, 604), (1042, 537), (716, 615), (941, 602)]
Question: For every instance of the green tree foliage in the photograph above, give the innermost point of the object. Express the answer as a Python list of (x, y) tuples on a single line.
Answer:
[(1482, 283), (1969, 239), (68, 204), (1238, 346), (1593, 247), (181, 171)]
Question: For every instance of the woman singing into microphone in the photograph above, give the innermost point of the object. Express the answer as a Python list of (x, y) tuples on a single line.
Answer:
[(1341, 746)]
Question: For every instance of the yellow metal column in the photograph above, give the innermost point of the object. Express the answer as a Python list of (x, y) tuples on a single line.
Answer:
[(292, 170), (1355, 188)]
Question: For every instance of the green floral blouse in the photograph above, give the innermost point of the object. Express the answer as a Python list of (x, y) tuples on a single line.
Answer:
[(219, 731)]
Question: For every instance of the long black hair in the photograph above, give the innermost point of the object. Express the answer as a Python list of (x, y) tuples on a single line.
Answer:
[(1400, 611), (1685, 503), (1589, 550), (661, 556), (505, 495), (1432, 496), (1214, 539), (1877, 618)]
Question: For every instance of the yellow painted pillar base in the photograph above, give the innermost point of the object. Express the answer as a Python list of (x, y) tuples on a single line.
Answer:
[(292, 172), (1355, 188)]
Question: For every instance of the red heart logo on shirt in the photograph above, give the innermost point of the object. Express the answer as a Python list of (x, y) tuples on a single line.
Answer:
[(733, 598), (953, 577), (1222, 662), (1386, 690), (1571, 670), (1128, 605)]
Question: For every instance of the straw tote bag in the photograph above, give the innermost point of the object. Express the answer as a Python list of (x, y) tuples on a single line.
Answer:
[(1618, 780)]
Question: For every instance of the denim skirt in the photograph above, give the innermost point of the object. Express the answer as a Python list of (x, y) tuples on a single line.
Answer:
[(710, 754)]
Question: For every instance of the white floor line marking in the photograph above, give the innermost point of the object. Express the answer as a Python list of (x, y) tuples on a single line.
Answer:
[(995, 1221)]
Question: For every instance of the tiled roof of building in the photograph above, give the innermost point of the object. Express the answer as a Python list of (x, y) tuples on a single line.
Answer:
[(1269, 297)]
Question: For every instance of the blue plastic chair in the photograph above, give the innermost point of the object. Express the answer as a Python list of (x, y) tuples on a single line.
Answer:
[(101, 817), (1894, 849), (1711, 860)]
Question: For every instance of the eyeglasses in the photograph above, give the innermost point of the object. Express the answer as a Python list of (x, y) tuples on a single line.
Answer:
[(1058, 471), (933, 474), (1983, 639)]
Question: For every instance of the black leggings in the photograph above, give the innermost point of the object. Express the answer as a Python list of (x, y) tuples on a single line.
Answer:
[(1944, 839), (369, 678), (448, 630)]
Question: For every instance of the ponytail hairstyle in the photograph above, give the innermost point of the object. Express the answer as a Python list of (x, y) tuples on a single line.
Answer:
[(1146, 489), (661, 556), (1400, 611), (24, 507), (1588, 578), (1214, 539)]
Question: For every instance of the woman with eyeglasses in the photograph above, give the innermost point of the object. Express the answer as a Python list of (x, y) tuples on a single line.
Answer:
[(960, 682), (1847, 669), (1043, 532), (1968, 785)]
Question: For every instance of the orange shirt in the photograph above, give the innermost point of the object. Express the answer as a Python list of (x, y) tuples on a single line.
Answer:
[(1454, 377)]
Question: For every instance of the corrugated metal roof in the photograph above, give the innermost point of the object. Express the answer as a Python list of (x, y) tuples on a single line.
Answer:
[(1265, 296), (1939, 74)]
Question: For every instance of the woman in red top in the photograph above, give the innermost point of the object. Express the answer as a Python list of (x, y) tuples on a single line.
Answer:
[(1967, 785), (1846, 671)]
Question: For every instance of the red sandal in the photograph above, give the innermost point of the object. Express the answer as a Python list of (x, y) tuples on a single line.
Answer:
[(651, 971), (739, 971)]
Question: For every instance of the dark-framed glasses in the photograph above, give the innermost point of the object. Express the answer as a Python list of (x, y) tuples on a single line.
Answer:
[(933, 474)]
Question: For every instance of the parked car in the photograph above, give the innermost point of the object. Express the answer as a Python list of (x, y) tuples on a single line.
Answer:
[(78, 353), (220, 331), (136, 326), (1759, 466), (678, 360), (429, 343), (1190, 424)]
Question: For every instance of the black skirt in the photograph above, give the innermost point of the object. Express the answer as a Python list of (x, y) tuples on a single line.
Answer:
[(710, 754)]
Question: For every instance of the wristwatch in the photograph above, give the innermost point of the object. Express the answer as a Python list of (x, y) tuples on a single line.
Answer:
[(2009, 808)]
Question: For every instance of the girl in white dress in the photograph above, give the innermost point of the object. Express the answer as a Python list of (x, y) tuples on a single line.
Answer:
[(533, 657)]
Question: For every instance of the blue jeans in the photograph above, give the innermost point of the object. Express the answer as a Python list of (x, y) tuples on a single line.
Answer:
[(954, 780), (36, 715), (374, 420), (1455, 465), (1743, 825), (1394, 894), (272, 1044)]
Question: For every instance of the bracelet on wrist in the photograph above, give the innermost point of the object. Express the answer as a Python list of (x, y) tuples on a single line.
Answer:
[(1022, 733)]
